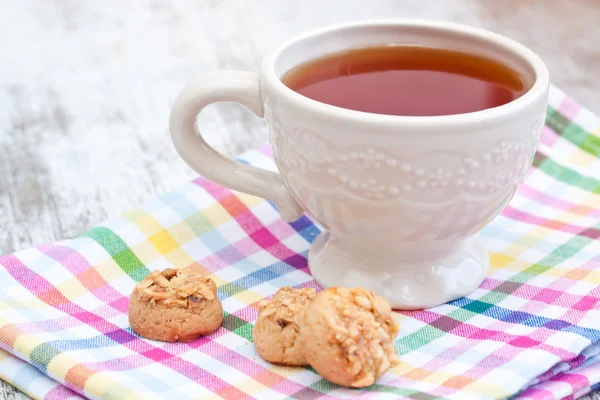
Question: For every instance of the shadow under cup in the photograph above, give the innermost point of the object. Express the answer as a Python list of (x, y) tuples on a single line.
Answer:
[(400, 198)]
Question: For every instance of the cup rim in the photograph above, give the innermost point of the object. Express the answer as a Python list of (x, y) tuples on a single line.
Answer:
[(489, 115)]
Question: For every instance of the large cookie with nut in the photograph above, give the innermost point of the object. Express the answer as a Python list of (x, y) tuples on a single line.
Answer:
[(276, 330), (348, 335), (175, 306)]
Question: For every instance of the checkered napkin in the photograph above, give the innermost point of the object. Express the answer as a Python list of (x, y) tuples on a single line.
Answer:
[(532, 329)]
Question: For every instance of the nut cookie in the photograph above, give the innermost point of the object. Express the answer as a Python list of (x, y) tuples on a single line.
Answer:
[(348, 335), (175, 306), (276, 330)]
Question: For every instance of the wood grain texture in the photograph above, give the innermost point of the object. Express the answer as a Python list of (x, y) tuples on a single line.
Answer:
[(86, 88)]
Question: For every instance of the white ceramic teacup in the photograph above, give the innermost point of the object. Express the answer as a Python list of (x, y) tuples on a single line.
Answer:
[(400, 198)]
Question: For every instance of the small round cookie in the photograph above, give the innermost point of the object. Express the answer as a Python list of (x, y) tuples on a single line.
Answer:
[(276, 330), (348, 336), (175, 306)]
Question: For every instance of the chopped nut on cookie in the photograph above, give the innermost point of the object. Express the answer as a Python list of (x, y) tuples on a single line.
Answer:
[(175, 306), (276, 330), (348, 335)]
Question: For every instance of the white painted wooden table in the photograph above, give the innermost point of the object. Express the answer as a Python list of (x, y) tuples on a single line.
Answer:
[(86, 88)]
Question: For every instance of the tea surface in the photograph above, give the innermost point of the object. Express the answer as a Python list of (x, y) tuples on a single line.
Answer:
[(407, 80)]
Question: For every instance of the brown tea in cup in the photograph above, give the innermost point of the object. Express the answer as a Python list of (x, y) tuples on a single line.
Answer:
[(407, 80)]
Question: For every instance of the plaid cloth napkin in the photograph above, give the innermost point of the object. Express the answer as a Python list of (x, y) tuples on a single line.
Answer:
[(532, 330)]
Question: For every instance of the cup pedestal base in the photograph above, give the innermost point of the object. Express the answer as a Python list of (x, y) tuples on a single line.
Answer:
[(408, 281)]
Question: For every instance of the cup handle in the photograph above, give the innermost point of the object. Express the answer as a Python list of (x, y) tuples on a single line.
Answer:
[(243, 88)]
